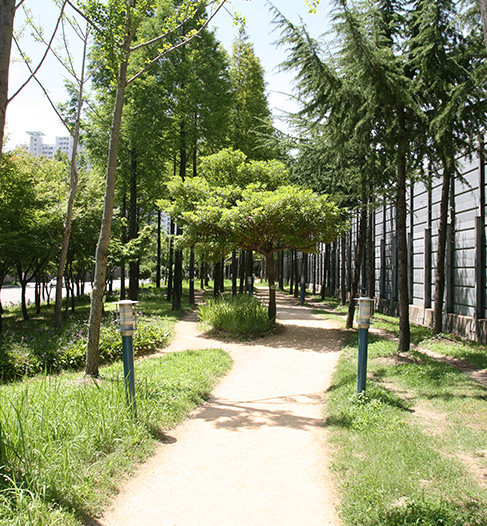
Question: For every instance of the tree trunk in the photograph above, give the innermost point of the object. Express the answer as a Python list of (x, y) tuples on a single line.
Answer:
[(272, 310), (170, 262), (249, 269), (23, 285), (343, 271), (178, 280), (234, 273), (371, 255), (191, 278), (241, 270), (281, 270), (296, 275), (133, 227), (291, 272), (7, 14), (483, 10), (358, 255), (222, 276), (402, 246), (159, 250), (216, 278), (101, 255), (440, 256), (73, 187)]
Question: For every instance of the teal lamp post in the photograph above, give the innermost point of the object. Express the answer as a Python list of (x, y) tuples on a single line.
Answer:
[(363, 322), (127, 322)]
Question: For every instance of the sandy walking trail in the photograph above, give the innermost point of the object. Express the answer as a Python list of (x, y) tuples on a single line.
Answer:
[(255, 453)]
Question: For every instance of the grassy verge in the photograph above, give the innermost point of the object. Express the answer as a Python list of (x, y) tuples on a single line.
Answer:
[(65, 441), (412, 450)]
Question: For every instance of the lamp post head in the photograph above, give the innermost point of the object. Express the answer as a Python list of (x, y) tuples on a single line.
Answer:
[(364, 312), (127, 318)]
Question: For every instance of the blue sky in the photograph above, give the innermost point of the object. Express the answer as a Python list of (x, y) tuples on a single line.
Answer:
[(30, 111)]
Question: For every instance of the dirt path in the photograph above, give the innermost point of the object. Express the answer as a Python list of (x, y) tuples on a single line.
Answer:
[(255, 453)]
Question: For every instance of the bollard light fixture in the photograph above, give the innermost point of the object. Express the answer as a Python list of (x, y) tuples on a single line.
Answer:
[(364, 312), (126, 317)]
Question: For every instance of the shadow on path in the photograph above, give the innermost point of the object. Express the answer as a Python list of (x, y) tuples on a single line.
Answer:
[(238, 415)]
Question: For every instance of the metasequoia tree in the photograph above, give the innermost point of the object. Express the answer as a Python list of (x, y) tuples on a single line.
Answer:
[(115, 29), (251, 116)]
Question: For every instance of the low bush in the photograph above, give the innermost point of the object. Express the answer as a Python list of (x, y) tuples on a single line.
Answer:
[(31, 352), (236, 315)]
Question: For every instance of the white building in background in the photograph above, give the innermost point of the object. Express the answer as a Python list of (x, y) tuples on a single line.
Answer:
[(37, 147)]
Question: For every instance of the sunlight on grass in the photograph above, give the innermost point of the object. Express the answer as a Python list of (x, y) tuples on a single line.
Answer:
[(400, 448)]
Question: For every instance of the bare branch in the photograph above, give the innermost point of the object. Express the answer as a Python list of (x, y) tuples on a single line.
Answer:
[(88, 19), (177, 46), (32, 75), (46, 93), (160, 37), (18, 5)]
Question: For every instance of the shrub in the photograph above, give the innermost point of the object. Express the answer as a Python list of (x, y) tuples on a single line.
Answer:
[(35, 353), (237, 315)]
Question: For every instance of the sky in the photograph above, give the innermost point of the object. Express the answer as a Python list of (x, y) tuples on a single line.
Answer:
[(31, 111)]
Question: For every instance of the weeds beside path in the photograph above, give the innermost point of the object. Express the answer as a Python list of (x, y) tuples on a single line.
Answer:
[(256, 452)]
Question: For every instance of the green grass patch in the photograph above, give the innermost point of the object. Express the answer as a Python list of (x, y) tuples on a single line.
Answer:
[(65, 442), (239, 315), (412, 449)]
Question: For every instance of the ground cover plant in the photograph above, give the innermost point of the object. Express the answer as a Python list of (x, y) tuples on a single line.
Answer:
[(239, 315), (65, 441), (35, 346), (412, 449)]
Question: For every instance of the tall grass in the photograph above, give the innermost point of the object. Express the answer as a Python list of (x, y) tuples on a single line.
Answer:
[(65, 441), (237, 315)]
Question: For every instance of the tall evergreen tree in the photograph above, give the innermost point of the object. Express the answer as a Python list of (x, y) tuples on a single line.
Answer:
[(449, 72)]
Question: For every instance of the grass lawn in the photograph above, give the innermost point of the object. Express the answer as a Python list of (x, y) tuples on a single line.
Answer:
[(412, 450), (66, 442)]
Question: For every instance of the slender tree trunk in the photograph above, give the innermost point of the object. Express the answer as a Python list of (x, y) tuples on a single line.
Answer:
[(191, 278), (296, 275), (272, 310), (358, 255), (216, 278), (178, 259), (371, 255), (73, 188), (222, 276), (440, 256), (170, 262), (402, 246), (7, 14), (483, 10), (101, 255), (133, 227), (281, 270), (23, 284), (241, 267), (291, 272), (234, 273), (159, 250)]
